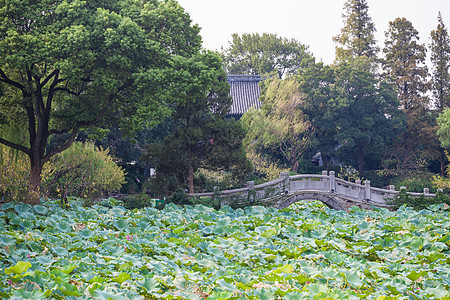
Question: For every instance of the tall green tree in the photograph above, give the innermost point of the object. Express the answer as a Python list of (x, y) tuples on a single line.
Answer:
[(440, 78), (67, 65), (258, 54), (203, 138), (357, 37), (440, 59), (366, 113), (280, 126), (404, 64), (317, 84)]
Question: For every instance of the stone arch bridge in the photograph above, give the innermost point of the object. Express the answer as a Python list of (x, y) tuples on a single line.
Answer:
[(334, 192)]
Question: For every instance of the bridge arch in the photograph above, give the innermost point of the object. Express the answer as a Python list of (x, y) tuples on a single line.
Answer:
[(329, 200)]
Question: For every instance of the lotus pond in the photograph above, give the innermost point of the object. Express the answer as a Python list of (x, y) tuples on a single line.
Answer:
[(306, 251)]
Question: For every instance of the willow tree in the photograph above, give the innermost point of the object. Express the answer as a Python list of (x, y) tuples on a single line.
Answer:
[(357, 37), (280, 125), (68, 65)]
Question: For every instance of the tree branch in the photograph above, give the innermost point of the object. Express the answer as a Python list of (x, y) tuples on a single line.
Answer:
[(47, 79), (63, 147), (15, 146), (6, 79), (67, 90)]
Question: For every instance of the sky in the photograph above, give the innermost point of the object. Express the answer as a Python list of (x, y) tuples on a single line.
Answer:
[(311, 22)]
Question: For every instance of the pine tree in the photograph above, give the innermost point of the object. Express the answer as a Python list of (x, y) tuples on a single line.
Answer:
[(357, 37), (440, 59), (405, 64)]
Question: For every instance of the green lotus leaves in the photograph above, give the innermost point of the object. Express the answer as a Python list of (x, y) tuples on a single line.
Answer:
[(306, 251), (19, 268)]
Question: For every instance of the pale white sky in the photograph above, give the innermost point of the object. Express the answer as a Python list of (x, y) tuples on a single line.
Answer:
[(312, 22)]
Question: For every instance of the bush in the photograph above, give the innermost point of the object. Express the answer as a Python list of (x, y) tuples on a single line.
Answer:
[(138, 201), (14, 175), (414, 181), (83, 170), (179, 197), (418, 202)]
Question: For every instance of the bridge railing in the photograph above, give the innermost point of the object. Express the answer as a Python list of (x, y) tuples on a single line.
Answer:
[(327, 182), (251, 192)]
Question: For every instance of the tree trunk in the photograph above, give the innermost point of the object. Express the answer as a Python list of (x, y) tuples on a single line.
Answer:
[(190, 170), (295, 166), (34, 184), (325, 161), (360, 159), (442, 160)]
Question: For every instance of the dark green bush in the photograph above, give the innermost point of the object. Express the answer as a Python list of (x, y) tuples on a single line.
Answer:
[(418, 202), (414, 181), (179, 197), (137, 201), (206, 201)]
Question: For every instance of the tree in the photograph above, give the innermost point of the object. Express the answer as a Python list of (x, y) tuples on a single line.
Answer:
[(256, 54), (357, 37), (440, 59), (444, 128), (365, 111), (203, 138), (317, 84), (280, 125), (440, 79), (67, 65), (404, 65)]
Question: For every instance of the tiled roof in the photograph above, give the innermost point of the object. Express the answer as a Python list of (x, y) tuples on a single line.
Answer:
[(245, 91)]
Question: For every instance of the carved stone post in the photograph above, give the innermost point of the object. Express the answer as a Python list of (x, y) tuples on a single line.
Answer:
[(216, 194), (368, 192), (332, 182), (251, 190), (286, 184), (426, 191)]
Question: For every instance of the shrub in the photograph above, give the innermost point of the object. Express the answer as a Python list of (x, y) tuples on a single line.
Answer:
[(14, 174), (82, 170), (179, 197), (414, 181), (137, 201), (418, 202), (265, 168)]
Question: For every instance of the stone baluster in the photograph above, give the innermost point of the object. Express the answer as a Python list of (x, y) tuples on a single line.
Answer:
[(286, 184), (332, 182), (368, 192), (251, 190), (426, 191)]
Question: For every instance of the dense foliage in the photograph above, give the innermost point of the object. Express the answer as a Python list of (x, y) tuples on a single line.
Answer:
[(266, 53), (307, 251), (203, 137), (67, 65), (357, 37), (82, 170), (279, 126)]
